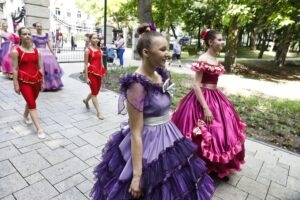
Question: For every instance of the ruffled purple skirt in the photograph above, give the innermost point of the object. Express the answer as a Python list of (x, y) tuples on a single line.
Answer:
[(52, 70), (171, 170), (4, 50), (220, 144)]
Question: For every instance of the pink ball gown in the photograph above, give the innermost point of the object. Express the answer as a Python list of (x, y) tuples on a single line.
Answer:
[(220, 144)]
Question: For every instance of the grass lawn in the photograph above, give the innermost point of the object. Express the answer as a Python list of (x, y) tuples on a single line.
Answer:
[(270, 120), (242, 52)]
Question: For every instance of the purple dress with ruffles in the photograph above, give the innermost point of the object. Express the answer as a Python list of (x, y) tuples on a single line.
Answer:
[(51, 68), (220, 144), (171, 169)]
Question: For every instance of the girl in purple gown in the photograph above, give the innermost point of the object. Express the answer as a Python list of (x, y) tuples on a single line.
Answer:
[(149, 158), (52, 70), (207, 117), (4, 45)]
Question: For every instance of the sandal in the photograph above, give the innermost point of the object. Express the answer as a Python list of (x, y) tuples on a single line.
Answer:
[(41, 134), (100, 116), (86, 104), (27, 121)]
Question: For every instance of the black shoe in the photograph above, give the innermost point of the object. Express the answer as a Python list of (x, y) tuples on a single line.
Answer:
[(225, 178)]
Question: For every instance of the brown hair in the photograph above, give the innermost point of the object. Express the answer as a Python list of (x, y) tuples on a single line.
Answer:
[(21, 29), (145, 39), (91, 35), (209, 35)]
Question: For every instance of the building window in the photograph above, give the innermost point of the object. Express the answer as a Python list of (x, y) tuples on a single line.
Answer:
[(78, 14), (57, 11), (69, 13)]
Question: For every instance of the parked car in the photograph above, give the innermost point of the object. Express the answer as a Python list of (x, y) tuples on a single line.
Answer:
[(184, 40)]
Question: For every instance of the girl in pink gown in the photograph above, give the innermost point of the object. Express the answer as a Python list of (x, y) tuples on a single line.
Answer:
[(208, 118), (7, 67)]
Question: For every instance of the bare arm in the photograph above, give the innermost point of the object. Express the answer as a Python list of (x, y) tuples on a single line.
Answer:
[(49, 44), (15, 64), (136, 126), (40, 63), (196, 87), (0, 42), (86, 64)]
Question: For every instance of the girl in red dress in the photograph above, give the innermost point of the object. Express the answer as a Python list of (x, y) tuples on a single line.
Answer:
[(94, 71), (28, 76)]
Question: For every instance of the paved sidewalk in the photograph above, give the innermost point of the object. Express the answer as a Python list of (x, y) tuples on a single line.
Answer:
[(60, 167)]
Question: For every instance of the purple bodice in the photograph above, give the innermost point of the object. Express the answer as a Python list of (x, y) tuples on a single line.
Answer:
[(40, 41), (144, 95)]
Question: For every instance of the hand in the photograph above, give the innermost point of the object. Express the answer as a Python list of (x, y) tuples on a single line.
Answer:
[(88, 81), (208, 117), (135, 189), (17, 88), (42, 85)]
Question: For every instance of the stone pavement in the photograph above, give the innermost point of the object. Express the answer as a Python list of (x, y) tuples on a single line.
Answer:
[(60, 167)]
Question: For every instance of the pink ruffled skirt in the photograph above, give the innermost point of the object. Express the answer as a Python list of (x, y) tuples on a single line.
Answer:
[(220, 144)]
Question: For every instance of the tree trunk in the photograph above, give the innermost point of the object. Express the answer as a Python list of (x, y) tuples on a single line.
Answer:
[(145, 16), (240, 38), (145, 11), (248, 39), (173, 31), (199, 37), (283, 47), (259, 40), (231, 44), (263, 44), (253, 39)]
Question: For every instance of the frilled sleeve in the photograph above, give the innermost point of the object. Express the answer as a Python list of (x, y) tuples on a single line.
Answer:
[(203, 66), (199, 66), (133, 92)]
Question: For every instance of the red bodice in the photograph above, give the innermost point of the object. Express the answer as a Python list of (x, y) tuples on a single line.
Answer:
[(211, 72), (95, 66), (28, 67)]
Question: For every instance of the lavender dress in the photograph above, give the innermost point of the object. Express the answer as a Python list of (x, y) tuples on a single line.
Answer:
[(171, 170), (52, 70), (4, 47)]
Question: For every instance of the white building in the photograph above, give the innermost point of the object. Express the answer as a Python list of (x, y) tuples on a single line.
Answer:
[(7, 8)]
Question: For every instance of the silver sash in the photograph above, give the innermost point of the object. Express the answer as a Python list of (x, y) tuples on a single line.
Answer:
[(152, 121)]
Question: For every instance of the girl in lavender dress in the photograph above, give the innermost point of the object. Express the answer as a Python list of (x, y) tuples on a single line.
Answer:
[(207, 117), (149, 158), (4, 45), (52, 70)]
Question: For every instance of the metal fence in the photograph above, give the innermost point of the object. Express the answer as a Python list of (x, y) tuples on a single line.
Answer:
[(66, 54)]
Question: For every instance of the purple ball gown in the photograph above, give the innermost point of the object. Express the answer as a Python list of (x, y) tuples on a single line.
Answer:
[(220, 144), (4, 47), (171, 169), (51, 68)]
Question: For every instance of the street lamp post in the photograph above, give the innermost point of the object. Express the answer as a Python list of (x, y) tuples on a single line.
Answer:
[(104, 49)]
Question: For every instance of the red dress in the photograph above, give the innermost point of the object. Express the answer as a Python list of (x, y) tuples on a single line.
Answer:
[(95, 70), (29, 76)]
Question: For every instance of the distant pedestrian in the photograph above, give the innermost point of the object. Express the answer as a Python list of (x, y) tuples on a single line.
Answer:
[(176, 52), (120, 47), (73, 44)]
